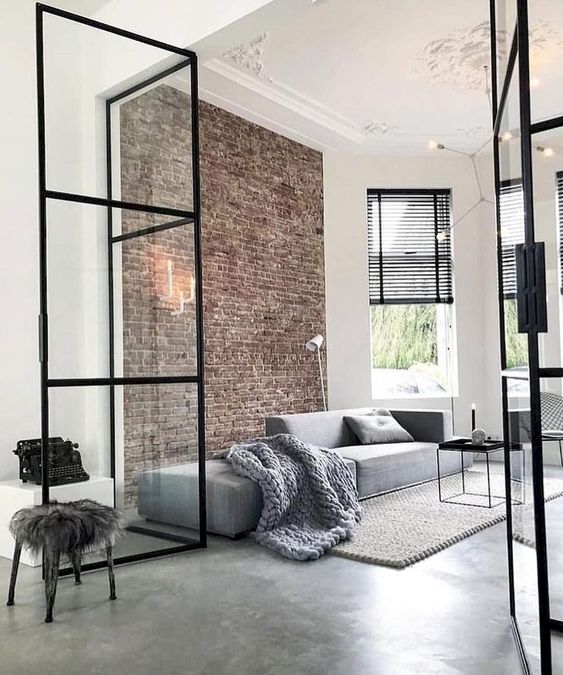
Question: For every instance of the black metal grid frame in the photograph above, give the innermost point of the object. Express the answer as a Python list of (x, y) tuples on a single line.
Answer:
[(519, 57), (182, 217)]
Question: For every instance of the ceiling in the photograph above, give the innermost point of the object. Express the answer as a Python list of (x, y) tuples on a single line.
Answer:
[(371, 76)]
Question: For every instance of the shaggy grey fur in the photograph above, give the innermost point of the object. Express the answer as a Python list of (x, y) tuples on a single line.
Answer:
[(80, 526), (310, 500)]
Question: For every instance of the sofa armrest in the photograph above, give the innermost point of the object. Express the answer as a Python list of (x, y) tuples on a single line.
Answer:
[(427, 426)]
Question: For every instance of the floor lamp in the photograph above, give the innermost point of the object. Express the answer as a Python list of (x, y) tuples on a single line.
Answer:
[(314, 345)]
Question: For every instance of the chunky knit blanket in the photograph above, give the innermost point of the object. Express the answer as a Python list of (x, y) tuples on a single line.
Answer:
[(310, 500)]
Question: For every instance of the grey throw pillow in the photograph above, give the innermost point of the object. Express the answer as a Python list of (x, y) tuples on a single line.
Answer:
[(378, 427)]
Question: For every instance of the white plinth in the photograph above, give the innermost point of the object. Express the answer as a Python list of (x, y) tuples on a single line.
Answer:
[(16, 495)]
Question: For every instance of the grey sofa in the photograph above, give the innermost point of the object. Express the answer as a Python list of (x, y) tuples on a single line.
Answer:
[(234, 503), (385, 466)]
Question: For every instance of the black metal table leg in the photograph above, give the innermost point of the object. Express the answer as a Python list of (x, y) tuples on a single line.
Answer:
[(462, 472), (488, 479), (438, 465)]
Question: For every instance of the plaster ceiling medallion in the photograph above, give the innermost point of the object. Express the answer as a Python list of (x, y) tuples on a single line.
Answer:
[(479, 132), (373, 128), (250, 55), (462, 57)]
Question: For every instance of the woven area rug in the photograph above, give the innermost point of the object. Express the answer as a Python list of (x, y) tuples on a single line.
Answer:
[(402, 527)]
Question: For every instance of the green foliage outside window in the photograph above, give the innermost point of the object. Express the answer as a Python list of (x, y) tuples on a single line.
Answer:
[(404, 336), (516, 343)]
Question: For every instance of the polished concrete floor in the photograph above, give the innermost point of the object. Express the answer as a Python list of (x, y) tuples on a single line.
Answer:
[(239, 609)]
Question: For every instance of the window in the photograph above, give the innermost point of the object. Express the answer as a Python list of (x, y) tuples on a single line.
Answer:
[(511, 205), (410, 292)]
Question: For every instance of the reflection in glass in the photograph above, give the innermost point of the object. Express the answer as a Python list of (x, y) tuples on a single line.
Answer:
[(505, 25), (545, 20), (151, 132), (548, 195), (155, 304), (523, 521)]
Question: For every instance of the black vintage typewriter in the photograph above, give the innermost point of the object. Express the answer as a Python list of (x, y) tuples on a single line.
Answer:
[(65, 463)]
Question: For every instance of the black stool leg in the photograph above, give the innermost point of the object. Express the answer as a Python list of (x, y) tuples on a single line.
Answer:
[(76, 559), (51, 576), (111, 575), (14, 575)]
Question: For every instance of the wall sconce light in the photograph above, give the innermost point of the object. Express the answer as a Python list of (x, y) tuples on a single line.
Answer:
[(183, 300)]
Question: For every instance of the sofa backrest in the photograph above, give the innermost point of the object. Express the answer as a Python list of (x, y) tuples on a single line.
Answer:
[(325, 429), (329, 430)]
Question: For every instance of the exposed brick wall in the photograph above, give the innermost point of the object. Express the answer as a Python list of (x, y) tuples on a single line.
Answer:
[(263, 278), (263, 266)]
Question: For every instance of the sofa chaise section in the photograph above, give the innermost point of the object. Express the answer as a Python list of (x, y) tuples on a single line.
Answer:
[(234, 503)]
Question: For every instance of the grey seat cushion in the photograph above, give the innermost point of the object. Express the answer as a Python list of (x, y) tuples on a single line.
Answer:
[(387, 466), (234, 503)]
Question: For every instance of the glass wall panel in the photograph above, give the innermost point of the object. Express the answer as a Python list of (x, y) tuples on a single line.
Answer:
[(523, 521), (158, 433), (545, 18), (84, 67), (511, 223), (77, 283), (547, 158), (505, 24), (155, 304), (155, 476)]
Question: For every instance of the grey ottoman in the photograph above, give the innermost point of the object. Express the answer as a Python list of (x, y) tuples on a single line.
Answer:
[(234, 503)]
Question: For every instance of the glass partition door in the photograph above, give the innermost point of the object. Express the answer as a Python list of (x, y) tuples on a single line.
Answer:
[(121, 322), (527, 186)]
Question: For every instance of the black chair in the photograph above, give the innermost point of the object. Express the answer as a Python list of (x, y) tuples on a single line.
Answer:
[(552, 419)]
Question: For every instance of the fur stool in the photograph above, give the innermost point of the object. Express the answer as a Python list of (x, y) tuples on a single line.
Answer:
[(69, 529)]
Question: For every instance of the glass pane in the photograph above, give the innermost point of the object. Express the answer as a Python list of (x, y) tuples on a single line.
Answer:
[(552, 454), (546, 53), (523, 521), (154, 475), (512, 226), (151, 145), (84, 67), (547, 158), (506, 25), (154, 294), (155, 304), (77, 283), (158, 450)]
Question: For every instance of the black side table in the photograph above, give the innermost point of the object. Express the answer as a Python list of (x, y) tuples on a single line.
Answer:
[(463, 445)]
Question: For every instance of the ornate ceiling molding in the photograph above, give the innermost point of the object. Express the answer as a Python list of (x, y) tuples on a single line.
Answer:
[(373, 128), (250, 56), (289, 98), (460, 58)]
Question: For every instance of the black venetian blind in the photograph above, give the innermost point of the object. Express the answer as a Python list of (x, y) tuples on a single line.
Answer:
[(410, 258), (511, 204)]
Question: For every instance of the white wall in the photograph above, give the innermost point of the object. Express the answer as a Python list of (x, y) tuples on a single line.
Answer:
[(346, 179)]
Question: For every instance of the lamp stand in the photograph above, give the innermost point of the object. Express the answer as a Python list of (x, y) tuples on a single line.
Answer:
[(321, 376)]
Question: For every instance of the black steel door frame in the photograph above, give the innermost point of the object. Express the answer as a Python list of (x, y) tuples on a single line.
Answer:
[(181, 217), (519, 57)]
